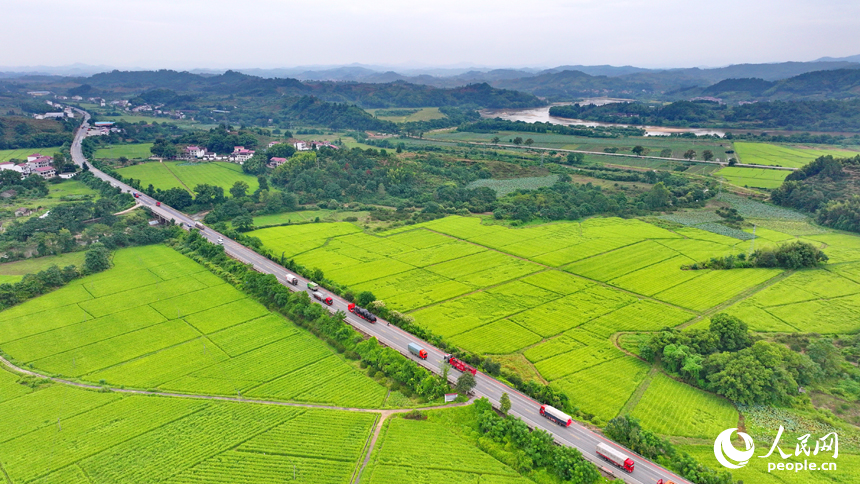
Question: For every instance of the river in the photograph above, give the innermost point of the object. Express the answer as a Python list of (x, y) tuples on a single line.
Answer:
[(534, 115)]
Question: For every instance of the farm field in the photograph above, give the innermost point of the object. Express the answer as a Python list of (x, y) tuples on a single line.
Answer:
[(23, 153), (753, 177), (781, 155), (160, 320), (63, 434), (556, 293), (130, 151), (503, 187), (14, 271), (439, 455), (422, 114), (177, 174)]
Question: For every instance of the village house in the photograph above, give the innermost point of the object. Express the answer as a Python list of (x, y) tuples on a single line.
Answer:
[(240, 154), (46, 172), (275, 162), (23, 212), (193, 152), (273, 143)]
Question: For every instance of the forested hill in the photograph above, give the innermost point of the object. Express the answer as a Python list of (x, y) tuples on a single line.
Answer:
[(798, 115), (827, 187), (366, 95)]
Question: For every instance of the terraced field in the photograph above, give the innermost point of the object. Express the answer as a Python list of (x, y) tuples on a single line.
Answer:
[(556, 293), (160, 320), (753, 177)]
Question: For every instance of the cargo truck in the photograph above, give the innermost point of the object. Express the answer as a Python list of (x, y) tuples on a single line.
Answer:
[(322, 297), (361, 312), (556, 415), (417, 351), (313, 286), (615, 457), (459, 364), (199, 225), (291, 279)]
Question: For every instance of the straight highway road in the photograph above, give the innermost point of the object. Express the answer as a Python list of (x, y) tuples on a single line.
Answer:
[(577, 436)]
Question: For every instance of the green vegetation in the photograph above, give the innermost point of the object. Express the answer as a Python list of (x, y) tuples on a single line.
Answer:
[(779, 155), (14, 271), (22, 153), (753, 177), (407, 115), (795, 255), (138, 151), (176, 174)]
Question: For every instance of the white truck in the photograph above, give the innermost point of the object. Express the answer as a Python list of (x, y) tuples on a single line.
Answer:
[(556, 415), (615, 457), (291, 279)]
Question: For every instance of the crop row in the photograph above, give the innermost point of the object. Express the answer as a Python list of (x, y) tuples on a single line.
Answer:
[(605, 388), (253, 334), (619, 262), (669, 407), (232, 466), (178, 445), (497, 338), (220, 317), (714, 287)]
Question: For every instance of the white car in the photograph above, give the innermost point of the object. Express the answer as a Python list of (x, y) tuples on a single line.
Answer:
[(220, 240)]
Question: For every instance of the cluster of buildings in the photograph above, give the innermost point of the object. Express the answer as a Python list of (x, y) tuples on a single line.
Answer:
[(36, 164), (63, 112), (102, 128), (239, 155)]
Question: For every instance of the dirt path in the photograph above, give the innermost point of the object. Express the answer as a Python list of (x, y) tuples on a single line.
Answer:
[(128, 391)]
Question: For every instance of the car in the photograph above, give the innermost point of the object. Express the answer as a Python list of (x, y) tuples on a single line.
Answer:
[(157, 204), (220, 240)]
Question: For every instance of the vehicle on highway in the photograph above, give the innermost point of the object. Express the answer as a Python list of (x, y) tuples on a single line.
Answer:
[(615, 457), (361, 312), (199, 226), (556, 415), (322, 297), (417, 351), (136, 195), (220, 240), (460, 364), (291, 279), (661, 481), (313, 286), (157, 204)]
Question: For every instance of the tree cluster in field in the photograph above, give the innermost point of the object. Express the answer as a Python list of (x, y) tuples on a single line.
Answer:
[(571, 201), (726, 360), (97, 259), (794, 255), (20, 133), (533, 449), (627, 431), (837, 357), (498, 124), (829, 188), (410, 377), (835, 115), (20, 186)]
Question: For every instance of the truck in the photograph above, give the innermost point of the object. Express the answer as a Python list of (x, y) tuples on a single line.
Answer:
[(460, 364), (136, 195), (199, 225), (322, 297), (361, 312), (417, 351), (157, 204), (291, 279), (313, 286), (615, 457), (556, 415)]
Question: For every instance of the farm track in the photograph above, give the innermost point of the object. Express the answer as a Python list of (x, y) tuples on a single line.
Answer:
[(128, 391), (640, 390), (601, 153), (174, 176)]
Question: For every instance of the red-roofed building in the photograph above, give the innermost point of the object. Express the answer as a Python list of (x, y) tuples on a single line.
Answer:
[(34, 156), (275, 162), (240, 154), (192, 152), (46, 172)]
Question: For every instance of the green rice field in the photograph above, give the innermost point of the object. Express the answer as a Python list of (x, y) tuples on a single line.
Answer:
[(22, 154), (753, 177), (139, 151), (159, 320), (423, 114), (780, 155), (178, 174), (11, 272)]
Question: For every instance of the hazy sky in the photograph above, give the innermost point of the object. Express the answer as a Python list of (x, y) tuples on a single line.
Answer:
[(187, 34)]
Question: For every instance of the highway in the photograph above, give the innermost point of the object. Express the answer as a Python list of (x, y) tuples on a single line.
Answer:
[(527, 409)]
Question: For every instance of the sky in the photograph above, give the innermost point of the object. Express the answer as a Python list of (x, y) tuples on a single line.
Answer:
[(220, 34)]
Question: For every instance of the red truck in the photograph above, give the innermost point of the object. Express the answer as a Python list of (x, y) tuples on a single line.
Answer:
[(615, 457), (460, 364), (556, 415), (136, 195), (361, 312), (322, 297), (157, 204)]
